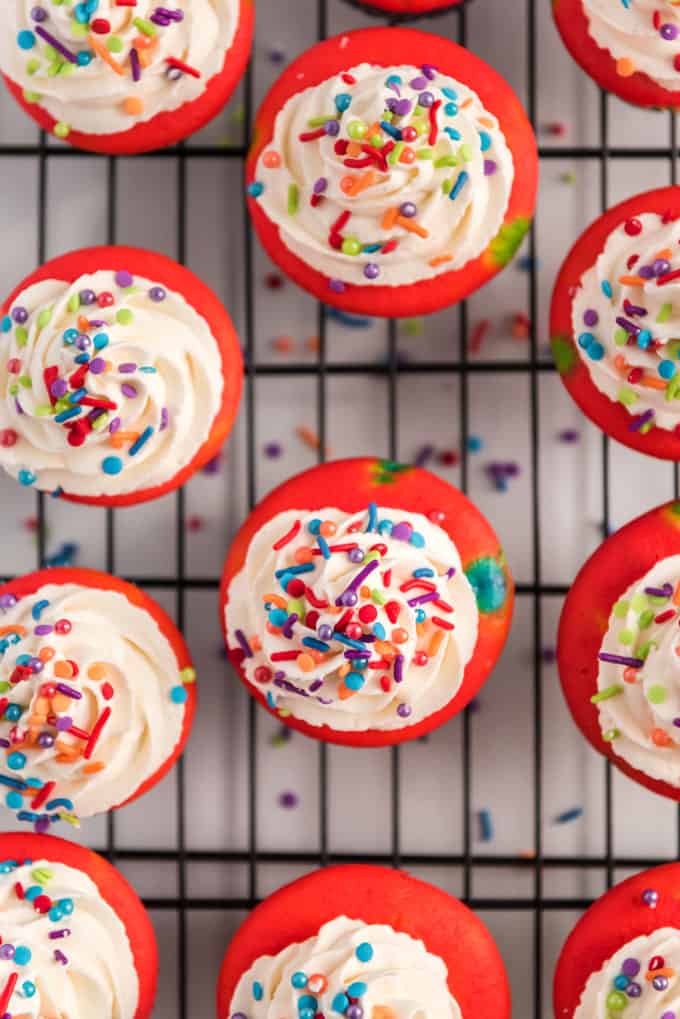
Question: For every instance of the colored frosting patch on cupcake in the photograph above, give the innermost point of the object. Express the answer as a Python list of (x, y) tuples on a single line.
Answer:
[(103, 66), (64, 951), (349, 968), (108, 385), (91, 702), (638, 683), (641, 35), (385, 175), (640, 981), (355, 621), (626, 320)]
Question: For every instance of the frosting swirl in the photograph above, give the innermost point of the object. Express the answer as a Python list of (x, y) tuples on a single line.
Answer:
[(92, 701), (626, 320), (638, 681), (353, 621), (641, 36), (389, 973), (641, 978), (72, 956), (385, 175), (105, 71), (108, 385)]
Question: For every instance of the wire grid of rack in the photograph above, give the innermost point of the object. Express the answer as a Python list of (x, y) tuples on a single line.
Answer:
[(536, 874)]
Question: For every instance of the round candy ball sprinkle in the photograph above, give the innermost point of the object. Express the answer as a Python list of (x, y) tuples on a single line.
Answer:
[(112, 465), (650, 897), (288, 799), (178, 695)]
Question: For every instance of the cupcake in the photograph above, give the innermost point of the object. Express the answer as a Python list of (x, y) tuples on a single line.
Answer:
[(362, 940), (120, 376), (384, 175), (630, 49), (619, 647), (97, 694), (123, 77), (615, 322), (365, 602), (623, 956), (405, 8), (76, 940)]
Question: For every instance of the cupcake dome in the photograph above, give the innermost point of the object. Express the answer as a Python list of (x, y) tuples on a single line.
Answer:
[(124, 78), (365, 602), (630, 49), (362, 938), (614, 323), (618, 649), (76, 940), (120, 375), (98, 694), (383, 175), (407, 8), (623, 956)]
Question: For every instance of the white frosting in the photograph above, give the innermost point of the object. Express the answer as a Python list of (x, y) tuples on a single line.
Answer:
[(112, 642), (626, 29), (93, 98), (641, 716), (457, 228), (639, 998), (162, 349), (401, 977), (316, 693), (98, 978), (616, 349)]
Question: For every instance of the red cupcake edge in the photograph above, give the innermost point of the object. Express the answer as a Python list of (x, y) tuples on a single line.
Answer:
[(375, 895), (410, 7), (385, 47), (31, 582), (169, 127), (619, 561), (617, 917), (351, 485), (161, 269), (608, 415), (113, 888), (639, 89)]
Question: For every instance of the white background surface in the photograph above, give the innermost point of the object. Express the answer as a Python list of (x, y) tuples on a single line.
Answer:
[(571, 511)]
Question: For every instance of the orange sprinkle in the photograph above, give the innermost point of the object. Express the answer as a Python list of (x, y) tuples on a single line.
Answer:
[(625, 67), (98, 671), (466, 102), (133, 105), (632, 281), (41, 706), (354, 149), (60, 702), (630, 675), (361, 183), (399, 635), (621, 364), (365, 591), (143, 42), (83, 324), (21, 630), (651, 382), (317, 655), (440, 259), (344, 692), (486, 122), (676, 595), (390, 218), (437, 638), (412, 226), (666, 971), (118, 439), (309, 437), (305, 662), (64, 670), (344, 669), (256, 643), (383, 1012), (275, 599), (93, 766), (666, 253), (660, 738), (46, 654), (102, 51)]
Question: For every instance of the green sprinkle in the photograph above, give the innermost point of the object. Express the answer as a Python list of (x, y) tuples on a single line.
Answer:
[(101, 422), (610, 735), (445, 161), (621, 609), (73, 302), (21, 336), (147, 27), (32, 97), (395, 153), (65, 69), (378, 597), (646, 619), (293, 199), (78, 30), (370, 556), (320, 121), (41, 875), (32, 66), (647, 427), (13, 389), (44, 317), (464, 153), (4, 686), (25, 381), (43, 410), (639, 602), (627, 397), (296, 605), (626, 637), (665, 313), (657, 694), (606, 694), (425, 153), (188, 675), (50, 53), (124, 316), (62, 130), (644, 649), (114, 44), (620, 337), (446, 186)]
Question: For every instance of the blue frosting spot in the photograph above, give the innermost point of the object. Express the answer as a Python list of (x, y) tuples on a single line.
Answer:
[(487, 580)]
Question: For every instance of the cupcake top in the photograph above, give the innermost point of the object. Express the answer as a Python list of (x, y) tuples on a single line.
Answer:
[(92, 701), (108, 385), (385, 175), (103, 67), (356, 621), (641, 978), (348, 968), (643, 35), (626, 318), (64, 950), (638, 695)]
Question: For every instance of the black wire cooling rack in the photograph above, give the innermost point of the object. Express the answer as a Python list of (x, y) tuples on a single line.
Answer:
[(539, 901)]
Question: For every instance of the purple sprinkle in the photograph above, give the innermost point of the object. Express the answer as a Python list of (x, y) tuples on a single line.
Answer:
[(569, 435), (630, 968), (320, 185), (19, 315), (17, 406), (7, 601), (660, 592), (59, 388), (43, 630), (402, 107), (337, 286), (63, 933), (590, 317), (69, 691), (361, 575), (668, 32), (97, 323), (490, 167), (394, 85), (403, 710), (450, 572), (273, 450), (49, 38), (429, 71), (634, 309), (398, 668), (331, 127), (630, 327), (633, 663), (60, 957), (285, 684), (87, 297), (637, 423), (243, 641), (6, 743), (63, 723), (354, 653), (287, 628), (97, 365), (123, 278), (646, 272), (633, 990), (157, 294), (418, 82), (425, 99), (41, 825), (45, 740), (165, 419), (402, 532), (288, 800), (135, 65), (127, 367), (38, 13), (114, 426), (316, 685), (128, 390), (422, 599)]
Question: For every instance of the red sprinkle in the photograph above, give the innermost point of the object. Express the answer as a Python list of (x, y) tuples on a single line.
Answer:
[(318, 603), (309, 136), (284, 656), (392, 611), (96, 733), (180, 65), (390, 246), (8, 991), (443, 623), (282, 542), (348, 79), (386, 683), (19, 889), (633, 227), (668, 278), (434, 130), (107, 691), (43, 795)]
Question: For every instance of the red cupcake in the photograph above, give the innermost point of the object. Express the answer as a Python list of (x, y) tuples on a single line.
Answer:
[(120, 77), (97, 694), (623, 956), (631, 49), (76, 940), (619, 647), (392, 172), (365, 602), (614, 324), (362, 940), (120, 375), (407, 8)]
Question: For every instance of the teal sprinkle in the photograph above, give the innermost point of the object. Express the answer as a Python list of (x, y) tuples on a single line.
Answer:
[(452, 133), (463, 177), (607, 288), (258, 991), (449, 93), (487, 580), (450, 109), (323, 545)]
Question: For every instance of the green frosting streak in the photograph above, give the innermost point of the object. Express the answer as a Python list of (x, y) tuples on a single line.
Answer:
[(564, 353), (508, 239), (487, 580)]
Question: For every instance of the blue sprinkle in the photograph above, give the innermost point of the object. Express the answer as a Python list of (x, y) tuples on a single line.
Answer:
[(13, 783), (607, 288), (5, 324), (484, 141), (420, 615), (357, 989), (450, 109), (449, 93), (424, 571), (314, 525), (299, 979), (320, 645), (354, 681), (385, 527), (393, 79), (22, 955), (62, 801), (372, 517), (485, 825), (463, 177), (345, 319), (666, 369), (270, 700), (364, 952), (340, 1002), (596, 351), (178, 695), (379, 631), (14, 800), (323, 545), (370, 249), (343, 101), (390, 129), (26, 39), (255, 189), (77, 396), (39, 608), (70, 336), (28, 988), (258, 991), (294, 570), (621, 982), (100, 341), (452, 133), (26, 477), (33, 892), (569, 815), (278, 617), (141, 441), (306, 1001), (340, 637), (82, 358), (644, 338), (417, 540), (84, 57), (585, 339), (66, 415)]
